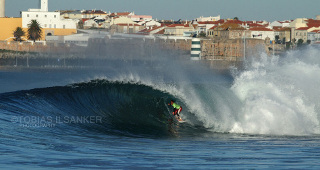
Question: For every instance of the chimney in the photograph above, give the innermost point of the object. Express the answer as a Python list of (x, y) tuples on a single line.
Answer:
[(2, 8)]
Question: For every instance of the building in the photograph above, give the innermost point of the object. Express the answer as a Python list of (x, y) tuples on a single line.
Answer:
[(2, 8), (203, 19), (285, 34), (262, 33), (300, 33), (72, 14), (51, 22), (297, 23), (7, 27), (127, 28), (138, 18), (232, 29), (93, 14), (178, 29)]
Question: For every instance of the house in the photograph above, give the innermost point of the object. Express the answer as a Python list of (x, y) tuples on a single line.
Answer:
[(149, 24), (71, 14), (153, 30), (127, 28), (262, 33), (178, 29), (280, 24), (204, 26), (138, 18), (230, 30), (285, 34), (121, 14), (317, 36), (203, 19), (298, 23), (51, 22), (94, 13), (123, 19), (300, 33), (95, 22)]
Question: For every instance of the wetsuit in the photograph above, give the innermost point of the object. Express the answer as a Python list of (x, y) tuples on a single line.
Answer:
[(176, 109)]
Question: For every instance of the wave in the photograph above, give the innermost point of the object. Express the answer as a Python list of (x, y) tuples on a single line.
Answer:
[(279, 95), (272, 95), (119, 108)]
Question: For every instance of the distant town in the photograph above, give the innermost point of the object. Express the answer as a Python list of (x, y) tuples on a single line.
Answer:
[(207, 37)]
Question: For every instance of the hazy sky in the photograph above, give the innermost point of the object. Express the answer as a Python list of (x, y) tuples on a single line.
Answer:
[(269, 10)]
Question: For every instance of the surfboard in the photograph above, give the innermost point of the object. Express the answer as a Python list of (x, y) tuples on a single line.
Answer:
[(179, 119)]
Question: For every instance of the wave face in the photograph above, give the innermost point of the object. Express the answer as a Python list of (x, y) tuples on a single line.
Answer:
[(280, 95), (116, 108)]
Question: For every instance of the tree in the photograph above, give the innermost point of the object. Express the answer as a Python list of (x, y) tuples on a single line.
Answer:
[(300, 42), (34, 30), (18, 33), (202, 34), (236, 18), (309, 41)]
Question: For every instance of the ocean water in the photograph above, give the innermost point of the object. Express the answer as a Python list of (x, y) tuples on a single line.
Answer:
[(116, 116)]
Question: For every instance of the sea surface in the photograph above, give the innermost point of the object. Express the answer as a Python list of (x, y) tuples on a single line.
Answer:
[(115, 115)]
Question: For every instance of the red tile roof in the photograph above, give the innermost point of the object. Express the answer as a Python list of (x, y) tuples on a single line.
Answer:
[(316, 31), (178, 25), (285, 29), (260, 29), (277, 28), (207, 22), (255, 25), (212, 28), (124, 24), (119, 14), (303, 28)]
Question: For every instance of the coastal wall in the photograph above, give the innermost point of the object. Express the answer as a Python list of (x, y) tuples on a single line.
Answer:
[(223, 50)]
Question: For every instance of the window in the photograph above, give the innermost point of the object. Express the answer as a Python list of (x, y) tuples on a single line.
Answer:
[(28, 15), (55, 16), (64, 26), (55, 26), (45, 16), (37, 16), (45, 25)]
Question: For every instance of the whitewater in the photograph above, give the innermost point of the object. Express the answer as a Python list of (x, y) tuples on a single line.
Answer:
[(263, 115)]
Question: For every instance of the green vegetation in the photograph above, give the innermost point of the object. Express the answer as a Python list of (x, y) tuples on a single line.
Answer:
[(34, 30), (300, 42), (202, 34), (18, 33)]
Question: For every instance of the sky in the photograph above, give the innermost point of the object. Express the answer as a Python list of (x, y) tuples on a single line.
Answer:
[(269, 10)]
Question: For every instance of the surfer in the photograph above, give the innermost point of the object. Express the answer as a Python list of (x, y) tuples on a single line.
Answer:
[(176, 109)]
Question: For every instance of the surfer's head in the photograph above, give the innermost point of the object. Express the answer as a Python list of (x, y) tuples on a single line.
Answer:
[(172, 101)]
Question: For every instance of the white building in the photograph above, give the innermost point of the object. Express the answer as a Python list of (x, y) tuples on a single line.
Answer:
[(47, 20), (262, 33), (202, 19)]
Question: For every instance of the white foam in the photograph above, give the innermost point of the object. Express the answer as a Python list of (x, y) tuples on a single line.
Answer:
[(280, 96)]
